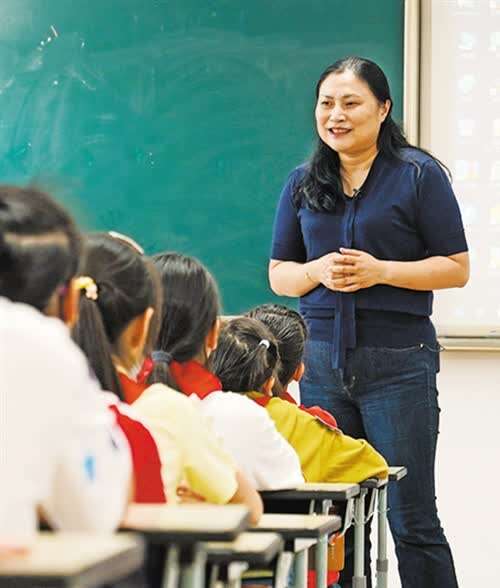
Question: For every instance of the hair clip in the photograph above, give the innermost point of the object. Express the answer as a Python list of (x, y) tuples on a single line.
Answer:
[(128, 240), (160, 356), (87, 284), (265, 343)]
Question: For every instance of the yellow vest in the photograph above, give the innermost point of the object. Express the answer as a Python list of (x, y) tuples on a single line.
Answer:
[(325, 455)]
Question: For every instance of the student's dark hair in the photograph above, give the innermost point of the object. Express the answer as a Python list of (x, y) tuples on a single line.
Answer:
[(290, 331), (40, 246), (322, 183), (246, 355), (190, 309), (127, 284)]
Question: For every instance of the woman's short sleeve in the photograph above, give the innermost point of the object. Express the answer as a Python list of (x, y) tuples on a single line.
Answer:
[(287, 243), (439, 219)]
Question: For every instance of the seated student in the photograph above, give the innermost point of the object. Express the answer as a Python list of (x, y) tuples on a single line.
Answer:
[(89, 332), (290, 331), (60, 448), (114, 330), (188, 333), (245, 361)]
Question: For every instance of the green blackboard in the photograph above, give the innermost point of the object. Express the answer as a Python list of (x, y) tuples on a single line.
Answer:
[(176, 122)]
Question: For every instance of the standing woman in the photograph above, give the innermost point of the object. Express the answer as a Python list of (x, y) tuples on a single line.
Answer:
[(363, 233)]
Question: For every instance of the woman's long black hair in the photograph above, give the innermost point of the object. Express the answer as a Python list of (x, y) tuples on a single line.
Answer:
[(322, 183)]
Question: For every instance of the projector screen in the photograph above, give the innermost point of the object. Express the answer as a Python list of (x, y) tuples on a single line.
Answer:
[(460, 124)]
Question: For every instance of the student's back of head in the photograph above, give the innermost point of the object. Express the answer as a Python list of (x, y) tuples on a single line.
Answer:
[(189, 314), (246, 356), (290, 331), (120, 298), (40, 248)]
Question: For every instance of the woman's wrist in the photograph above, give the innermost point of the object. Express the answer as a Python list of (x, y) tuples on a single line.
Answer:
[(310, 272), (385, 272)]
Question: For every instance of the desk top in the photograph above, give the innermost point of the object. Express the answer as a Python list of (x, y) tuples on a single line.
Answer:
[(291, 526), (314, 491), (253, 548), (371, 483), (397, 473), (73, 559), (182, 524)]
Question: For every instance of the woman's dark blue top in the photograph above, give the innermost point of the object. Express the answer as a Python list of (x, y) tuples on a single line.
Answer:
[(405, 211)]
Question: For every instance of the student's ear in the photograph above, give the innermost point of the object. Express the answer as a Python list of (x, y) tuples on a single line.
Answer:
[(65, 306), (212, 338), (140, 331), (268, 386), (135, 335), (71, 304), (299, 372)]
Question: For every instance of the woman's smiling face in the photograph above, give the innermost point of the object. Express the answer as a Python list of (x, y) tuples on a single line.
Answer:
[(348, 115)]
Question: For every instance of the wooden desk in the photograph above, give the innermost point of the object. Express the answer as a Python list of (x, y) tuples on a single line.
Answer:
[(294, 529), (253, 548), (397, 473), (311, 494), (82, 560), (314, 491), (228, 561), (186, 524), (184, 529)]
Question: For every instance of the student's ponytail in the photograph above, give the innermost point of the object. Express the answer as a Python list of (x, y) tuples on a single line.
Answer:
[(190, 309), (246, 355), (118, 284), (161, 371), (90, 334)]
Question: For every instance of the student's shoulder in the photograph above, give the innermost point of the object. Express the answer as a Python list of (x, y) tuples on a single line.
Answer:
[(290, 411), (39, 339), (160, 394), (22, 324), (227, 398), (160, 402), (237, 405), (284, 405)]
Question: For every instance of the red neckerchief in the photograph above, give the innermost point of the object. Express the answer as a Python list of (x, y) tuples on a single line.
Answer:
[(145, 458), (320, 414), (260, 398), (132, 389), (193, 378)]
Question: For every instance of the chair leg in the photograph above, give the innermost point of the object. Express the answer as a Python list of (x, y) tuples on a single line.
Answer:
[(382, 560), (300, 569), (359, 578), (193, 570)]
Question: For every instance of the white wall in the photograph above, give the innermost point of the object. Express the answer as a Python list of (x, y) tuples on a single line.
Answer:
[(468, 466)]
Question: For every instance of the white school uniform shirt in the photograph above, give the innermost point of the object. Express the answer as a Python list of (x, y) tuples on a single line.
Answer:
[(250, 436), (60, 447)]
